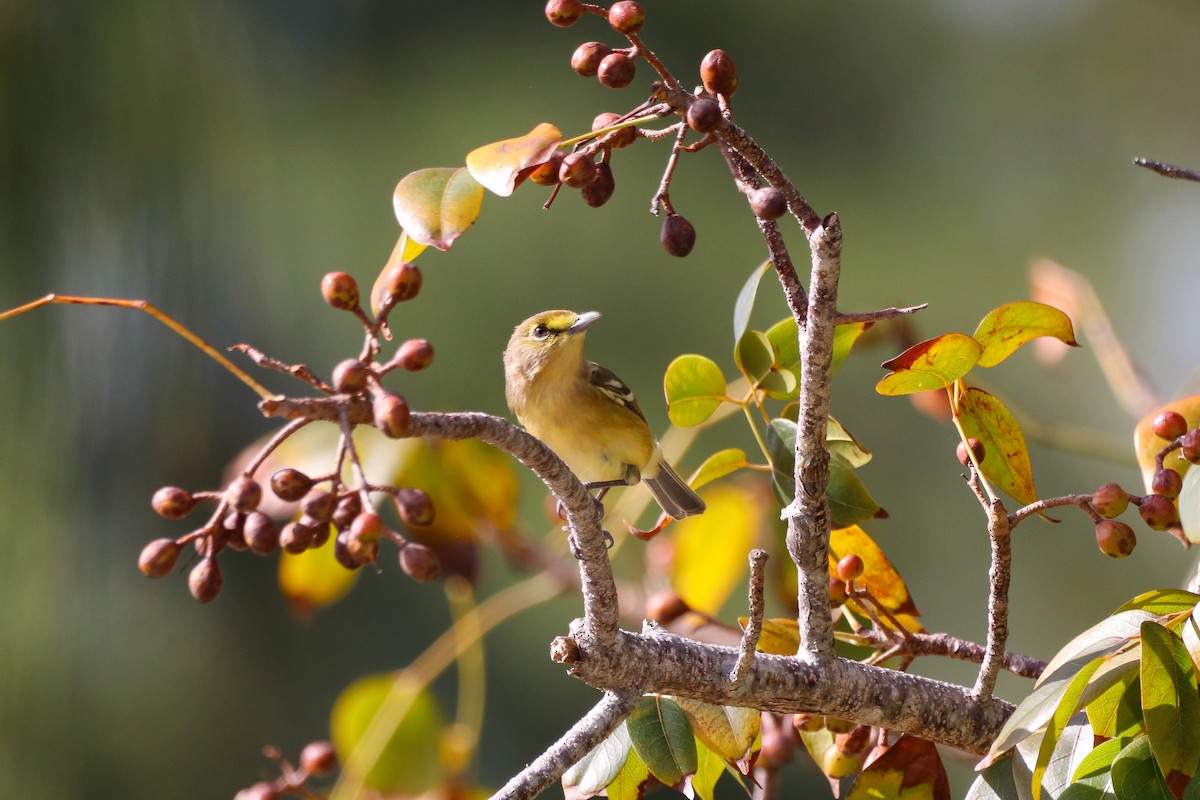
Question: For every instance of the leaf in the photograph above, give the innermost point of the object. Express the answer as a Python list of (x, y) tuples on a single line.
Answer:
[(843, 443), (780, 637), (1006, 458), (709, 769), (785, 341), (753, 356), (405, 250), (1069, 751), (630, 783), (933, 364), (1093, 776), (1113, 697), (1189, 506), (435, 206), (1136, 776), (849, 500), (718, 465), (1102, 639), (694, 387), (879, 576), (498, 166), (1008, 327), (1146, 444), (408, 763), (591, 774), (1163, 601), (1170, 703), (744, 305), (844, 337), (995, 783), (710, 549), (1063, 713), (663, 739), (314, 579), (910, 768), (728, 731)]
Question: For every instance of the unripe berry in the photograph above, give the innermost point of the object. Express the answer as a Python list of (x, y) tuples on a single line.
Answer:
[(768, 203), (348, 507), (340, 290), (626, 17), (296, 537), (367, 526), (260, 533), (719, 73), (350, 376), (1169, 425), (1166, 482), (159, 557), (318, 758), (577, 170), (204, 581), (960, 451), (415, 507), (665, 607), (546, 173), (587, 57), (419, 562), (290, 484), (1110, 500), (414, 355), (678, 237), (318, 505), (1190, 446), (598, 192), (704, 115), (616, 70), (403, 281), (392, 415), (359, 551), (1158, 512), (623, 137), (1115, 539), (850, 568), (564, 13), (244, 494), (172, 502), (837, 592)]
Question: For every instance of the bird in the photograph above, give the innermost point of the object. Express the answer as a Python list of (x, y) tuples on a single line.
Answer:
[(586, 414)]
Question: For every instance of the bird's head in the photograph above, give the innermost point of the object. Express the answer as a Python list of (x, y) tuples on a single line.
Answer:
[(545, 336)]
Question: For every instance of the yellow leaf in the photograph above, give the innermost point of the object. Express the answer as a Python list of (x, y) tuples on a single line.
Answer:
[(1008, 327), (933, 364), (435, 206), (711, 549), (879, 576), (1006, 458), (314, 579), (499, 166)]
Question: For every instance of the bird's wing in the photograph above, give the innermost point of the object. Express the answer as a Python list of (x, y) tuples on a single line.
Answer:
[(612, 387)]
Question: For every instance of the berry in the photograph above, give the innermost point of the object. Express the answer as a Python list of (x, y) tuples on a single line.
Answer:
[(587, 57), (768, 203), (850, 568), (415, 507), (719, 73), (233, 528), (564, 13), (1191, 445), (621, 138), (678, 237), (360, 552), (665, 607), (1115, 539), (296, 537), (546, 173), (626, 17), (1167, 482), (854, 741), (392, 416), (1110, 500), (290, 484), (403, 281), (808, 723), (1158, 512), (837, 592), (704, 116), (204, 581), (318, 505), (414, 355), (598, 192), (172, 502), (977, 449), (340, 290), (367, 526), (348, 507), (616, 70), (350, 376), (318, 758), (1169, 425), (260, 533), (577, 170), (244, 494), (159, 557), (341, 551), (419, 562)]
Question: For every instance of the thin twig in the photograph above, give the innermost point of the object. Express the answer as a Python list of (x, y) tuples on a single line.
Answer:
[(943, 644), (663, 195), (876, 316), (1038, 506), (758, 558), (1167, 170)]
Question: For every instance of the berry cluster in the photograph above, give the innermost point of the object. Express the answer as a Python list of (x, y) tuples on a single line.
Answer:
[(327, 504), (317, 759)]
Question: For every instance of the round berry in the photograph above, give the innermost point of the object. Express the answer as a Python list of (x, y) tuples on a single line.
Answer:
[(204, 581), (587, 57), (850, 568), (392, 415), (172, 502), (601, 189), (244, 494), (1190, 445), (837, 592), (564, 13), (419, 562), (290, 484), (159, 557), (616, 70), (1169, 425), (577, 170), (1115, 539), (546, 173), (297, 537), (318, 505), (719, 73), (414, 355), (340, 290), (1158, 512), (1110, 500), (678, 237), (626, 17), (977, 449), (415, 507), (403, 281), (350, 376), (341, 552), (665, 607), (768, 203), (348, 507), (367, 526), (704, 115), (1167, 482), (260, 533), (623, 137), (318, 758)]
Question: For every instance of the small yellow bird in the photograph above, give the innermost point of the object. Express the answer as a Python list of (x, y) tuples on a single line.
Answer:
[(585, 413)]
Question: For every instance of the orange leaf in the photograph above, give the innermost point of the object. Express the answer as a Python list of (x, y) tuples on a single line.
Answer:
[(879, 576), (933, 364), (909, 764), (498, 166)]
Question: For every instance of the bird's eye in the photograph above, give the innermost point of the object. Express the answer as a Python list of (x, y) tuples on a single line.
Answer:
[(541, 332)]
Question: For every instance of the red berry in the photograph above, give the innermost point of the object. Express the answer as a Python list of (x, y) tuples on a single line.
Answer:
[(837, 592), (623, 137), (1158, 512), (1169, 425), (616, 70), (340, 290), (626, 17), (1190, 445), (564, 13), (414, 355), (367, 526), (850, 568), (172, 502), (587, 57), (318, 758), (1110, 500), (719, 73), (1167, 482), (392, 415), (403, 281), (977, 449), (350, 376), (1115, 539), (665, 607), (577, 170), (159, 557)]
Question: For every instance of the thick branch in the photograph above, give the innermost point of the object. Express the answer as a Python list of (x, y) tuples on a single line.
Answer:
[(999, 579)]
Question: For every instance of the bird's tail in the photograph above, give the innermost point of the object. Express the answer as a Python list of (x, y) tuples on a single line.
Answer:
[(673, 493)]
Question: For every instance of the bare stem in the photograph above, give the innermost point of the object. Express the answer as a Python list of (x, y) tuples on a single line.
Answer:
[(999, 579), (758, 558)]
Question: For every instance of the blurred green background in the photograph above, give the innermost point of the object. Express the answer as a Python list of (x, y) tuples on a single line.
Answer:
[(217, 158)]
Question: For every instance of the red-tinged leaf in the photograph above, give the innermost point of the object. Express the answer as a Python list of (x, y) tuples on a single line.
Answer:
[(498, 166), (728, 731), (879, 576), (437, 205), (663, 739), (933, 364), (911, 768), (1146, 445), (592, 773), (1006, 458), (710, 549), (1008, 327), (1170, 702)]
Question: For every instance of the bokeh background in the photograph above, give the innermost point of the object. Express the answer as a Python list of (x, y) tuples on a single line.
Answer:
[(218, 157)]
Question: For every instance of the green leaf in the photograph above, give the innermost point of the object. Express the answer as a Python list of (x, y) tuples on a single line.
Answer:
[(718, 465), (694, 387), (1008, 327), (588, 776), (1063, 713), (753, 356), (1093, 776), (663, 739), (709, 769), (728, 731), (1100, 759), (933, 364), (784, 337), (1102, 639), (844, 337), (1170, 702), (841, 442), (1006, 458), (1163, 601), (1136, 776), (780, 384), (1113, 698), (1070, 748), (499, 166), (849, 500), (437, 205), (995, 783), (744, 305), (1189, 505)]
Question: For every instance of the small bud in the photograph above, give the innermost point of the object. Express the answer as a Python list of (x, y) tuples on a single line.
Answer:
[(665, 607), (1158, 512), (623, 137), (340, 290), (367, 526), (159, 557), (260, 533), (348, 507), (1169, 425), (392, 415), (1110, 500), (587, 57), (296, 537), (719, 73), (626, 17), (350, 376), (1167, 482), (415, 507), (403, 281), (837, 592), (850, 568), (172, 502), (564, 13), (678, 237), (768, 203), (977, 448), (290, 484), (546, 173), (1191, 446), (1115, 539), (204, 581), (318, 504), (577, 170), (244, 494), (598, 192), (414, 355), (318, 758), (616, 70), (704, 115), (419, 562)]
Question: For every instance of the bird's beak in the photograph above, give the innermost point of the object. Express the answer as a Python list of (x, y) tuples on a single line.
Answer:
[(584, 321)]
